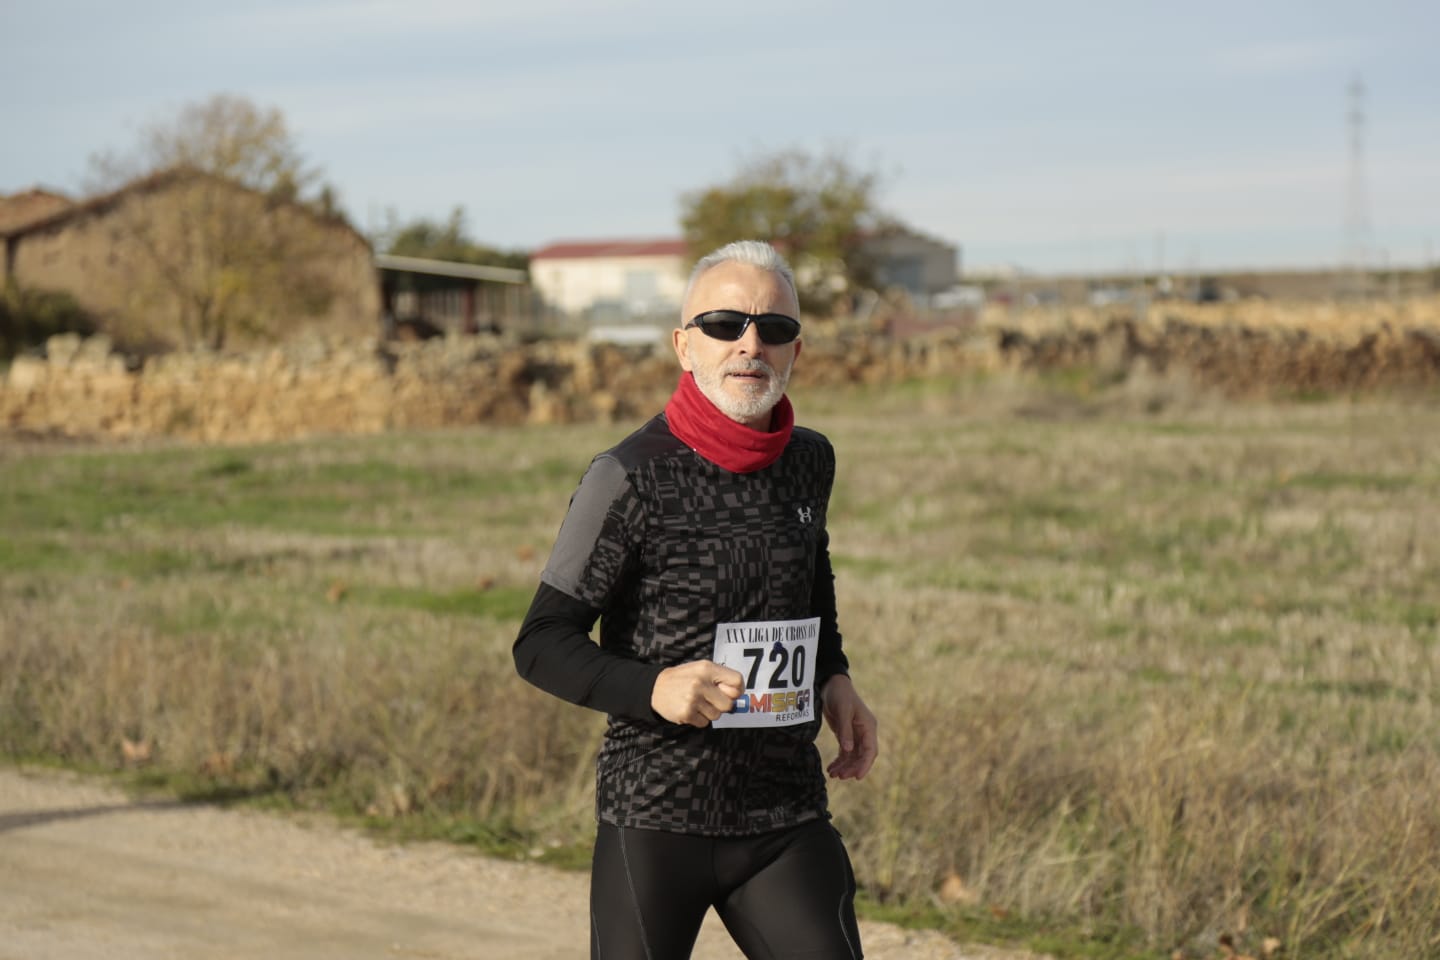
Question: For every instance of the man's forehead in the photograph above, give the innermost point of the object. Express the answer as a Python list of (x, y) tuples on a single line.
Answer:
[(741, 286)]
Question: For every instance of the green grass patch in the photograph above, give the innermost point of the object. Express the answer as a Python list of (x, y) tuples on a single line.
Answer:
[(1002, 927), (34, 555), (496, 603), (284, 488), (868, 566)]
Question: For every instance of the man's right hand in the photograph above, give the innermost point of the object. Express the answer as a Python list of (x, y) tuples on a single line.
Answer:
[(696, 693)]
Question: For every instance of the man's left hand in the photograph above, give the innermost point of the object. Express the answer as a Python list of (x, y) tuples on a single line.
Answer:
[(855, 728)]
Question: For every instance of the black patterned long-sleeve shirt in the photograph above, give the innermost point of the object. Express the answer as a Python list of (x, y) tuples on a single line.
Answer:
[(661, 545)]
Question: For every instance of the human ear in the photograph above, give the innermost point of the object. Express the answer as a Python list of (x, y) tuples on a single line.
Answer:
[(680, 340)]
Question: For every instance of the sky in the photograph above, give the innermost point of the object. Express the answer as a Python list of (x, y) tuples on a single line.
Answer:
[(1048, 136)]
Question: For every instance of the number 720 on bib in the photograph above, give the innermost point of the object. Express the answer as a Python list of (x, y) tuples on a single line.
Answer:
[(777, 660)]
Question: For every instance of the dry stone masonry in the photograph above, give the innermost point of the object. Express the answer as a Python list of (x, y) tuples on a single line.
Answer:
[(81, 388)]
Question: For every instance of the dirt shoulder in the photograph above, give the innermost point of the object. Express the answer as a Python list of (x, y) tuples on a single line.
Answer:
[(88, 872)]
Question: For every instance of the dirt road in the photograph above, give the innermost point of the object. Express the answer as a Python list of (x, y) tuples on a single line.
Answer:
[(87, 872)]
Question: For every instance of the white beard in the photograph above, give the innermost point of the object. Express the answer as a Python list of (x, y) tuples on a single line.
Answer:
[(754, 403)]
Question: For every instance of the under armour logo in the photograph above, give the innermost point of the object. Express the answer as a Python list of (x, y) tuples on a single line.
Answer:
[(805, 513)]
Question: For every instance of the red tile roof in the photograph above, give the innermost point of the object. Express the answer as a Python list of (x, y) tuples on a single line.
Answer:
[(578, 249)]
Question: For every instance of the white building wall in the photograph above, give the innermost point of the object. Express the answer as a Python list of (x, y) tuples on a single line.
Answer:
[(574, 285)]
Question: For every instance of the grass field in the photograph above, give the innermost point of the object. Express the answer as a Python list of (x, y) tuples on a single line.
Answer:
[(1152, 669)]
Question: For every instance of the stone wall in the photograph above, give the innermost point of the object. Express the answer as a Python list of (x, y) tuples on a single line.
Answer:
[(1239, 362), (82, 389)]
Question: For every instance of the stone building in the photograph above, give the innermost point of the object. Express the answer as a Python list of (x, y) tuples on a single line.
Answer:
[(27, 206), (907, 260), (185, 259)]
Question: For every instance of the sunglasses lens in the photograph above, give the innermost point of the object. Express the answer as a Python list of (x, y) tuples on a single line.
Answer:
[(724, 326), (775, 329)]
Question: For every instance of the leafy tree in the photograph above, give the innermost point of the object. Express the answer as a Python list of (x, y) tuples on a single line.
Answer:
[(446, 241), (227, 234), (818, 210), (226, 136)]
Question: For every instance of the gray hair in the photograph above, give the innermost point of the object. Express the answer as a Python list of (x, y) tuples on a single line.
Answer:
[(755, 253)]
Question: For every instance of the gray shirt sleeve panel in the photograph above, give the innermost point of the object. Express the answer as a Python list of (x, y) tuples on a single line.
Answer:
[(602, 485)]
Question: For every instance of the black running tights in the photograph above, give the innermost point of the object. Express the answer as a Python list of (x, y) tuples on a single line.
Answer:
[(784, 895)]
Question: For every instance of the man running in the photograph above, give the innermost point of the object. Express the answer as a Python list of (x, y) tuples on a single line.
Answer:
[(699, 543)]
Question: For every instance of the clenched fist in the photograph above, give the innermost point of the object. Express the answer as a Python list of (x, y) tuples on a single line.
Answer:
[(696, 693)]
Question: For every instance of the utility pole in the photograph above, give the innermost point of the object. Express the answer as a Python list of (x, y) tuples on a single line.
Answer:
[(1355, 267)]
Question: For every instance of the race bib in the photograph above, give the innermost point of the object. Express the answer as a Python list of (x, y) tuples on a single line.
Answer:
[(777, 660)]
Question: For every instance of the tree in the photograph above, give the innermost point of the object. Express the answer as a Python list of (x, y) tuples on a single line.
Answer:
[(225, 136), (817, 210), (448, 241), (217, 232)]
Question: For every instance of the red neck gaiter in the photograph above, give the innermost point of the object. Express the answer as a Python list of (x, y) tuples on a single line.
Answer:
[(717, 438)]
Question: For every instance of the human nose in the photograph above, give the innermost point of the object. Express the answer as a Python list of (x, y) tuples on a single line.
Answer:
[(750, 343)]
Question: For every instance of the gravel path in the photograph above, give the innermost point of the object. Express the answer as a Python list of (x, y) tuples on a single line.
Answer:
[(87, 872)]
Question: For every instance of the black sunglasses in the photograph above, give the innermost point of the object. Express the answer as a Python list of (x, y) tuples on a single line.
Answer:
[(774, 328)]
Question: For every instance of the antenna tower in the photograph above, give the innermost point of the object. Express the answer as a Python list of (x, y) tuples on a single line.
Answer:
[(1357, 206)]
